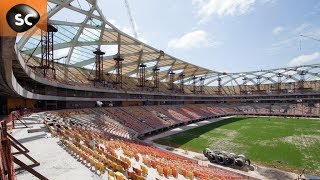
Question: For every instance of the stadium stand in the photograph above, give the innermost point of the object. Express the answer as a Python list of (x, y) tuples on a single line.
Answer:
[(104, 137), (123, 158), (128, 122), (103, 114)]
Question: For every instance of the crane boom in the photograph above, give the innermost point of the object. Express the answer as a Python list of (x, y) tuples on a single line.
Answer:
[(310, 37), (132, 22)]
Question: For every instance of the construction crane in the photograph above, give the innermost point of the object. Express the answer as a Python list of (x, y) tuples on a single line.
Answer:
[(131, 19), (309, 37)]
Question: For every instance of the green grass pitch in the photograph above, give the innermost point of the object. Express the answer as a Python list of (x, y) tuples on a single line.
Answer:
[(285, 143)]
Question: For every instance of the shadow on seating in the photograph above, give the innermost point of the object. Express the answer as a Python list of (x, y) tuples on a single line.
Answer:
[(32, 138)]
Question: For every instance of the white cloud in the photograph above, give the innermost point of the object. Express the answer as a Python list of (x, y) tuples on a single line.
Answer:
[(278, 30), (195, 39), (207, 8), (302, 28), (315, 10), (303, 59)]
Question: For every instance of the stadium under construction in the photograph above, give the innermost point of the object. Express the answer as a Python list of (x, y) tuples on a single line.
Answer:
[(89, 114)]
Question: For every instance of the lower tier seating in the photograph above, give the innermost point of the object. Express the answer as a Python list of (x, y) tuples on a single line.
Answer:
[(124, 158)]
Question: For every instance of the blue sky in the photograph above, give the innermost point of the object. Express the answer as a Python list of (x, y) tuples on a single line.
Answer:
[(226, 35)]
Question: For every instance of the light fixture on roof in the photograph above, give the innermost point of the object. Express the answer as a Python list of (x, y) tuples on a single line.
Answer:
[(171, 75), (279, 75), (161, 53)]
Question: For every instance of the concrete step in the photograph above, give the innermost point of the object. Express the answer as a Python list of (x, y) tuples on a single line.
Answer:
[(30, 118)]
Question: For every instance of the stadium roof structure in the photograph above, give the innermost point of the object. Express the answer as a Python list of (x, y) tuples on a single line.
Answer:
[(82, 28), (86, 29)]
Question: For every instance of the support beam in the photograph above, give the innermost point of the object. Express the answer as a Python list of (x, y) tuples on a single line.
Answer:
[(111, 57), (194, 85), (79, 44), (181, 78)]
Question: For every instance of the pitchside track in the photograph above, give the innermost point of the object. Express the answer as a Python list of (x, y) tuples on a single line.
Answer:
[(288, 144)]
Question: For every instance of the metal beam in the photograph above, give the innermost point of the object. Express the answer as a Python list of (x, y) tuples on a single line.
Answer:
[(77, 36), (64, 23), (79, 44), (24, 39), (124, 65), (136, 70)]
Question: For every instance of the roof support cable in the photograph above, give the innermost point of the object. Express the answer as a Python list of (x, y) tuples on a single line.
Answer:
[(33, 52)]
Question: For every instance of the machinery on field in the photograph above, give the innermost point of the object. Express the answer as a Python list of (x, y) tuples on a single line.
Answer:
[(225, 158)]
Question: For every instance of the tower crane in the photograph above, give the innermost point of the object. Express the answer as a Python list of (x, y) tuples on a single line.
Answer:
[(131, 19), (309, 37)]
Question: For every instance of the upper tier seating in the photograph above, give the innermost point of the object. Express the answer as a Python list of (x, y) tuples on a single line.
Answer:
[(128, 121)]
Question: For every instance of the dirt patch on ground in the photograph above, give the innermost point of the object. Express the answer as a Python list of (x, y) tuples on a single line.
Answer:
[(270, 143), (226, 143), (302, 141)]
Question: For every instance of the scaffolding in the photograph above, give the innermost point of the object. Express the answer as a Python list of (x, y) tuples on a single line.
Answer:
[(181, 78), (219, 85), (279, 75), (8, 158), (99, 77), (301, 80), (142, 75), (201, 85), (118, 68), (259, 84), (47, 50), (194, 83), (156, 78), (244, 83)]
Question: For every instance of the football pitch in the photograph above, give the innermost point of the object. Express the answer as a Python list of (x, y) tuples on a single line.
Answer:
[(284, 143)]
